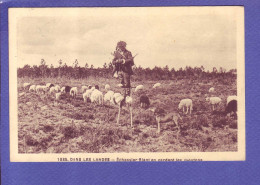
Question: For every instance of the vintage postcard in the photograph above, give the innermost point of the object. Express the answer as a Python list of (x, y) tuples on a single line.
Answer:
[(127, 84)]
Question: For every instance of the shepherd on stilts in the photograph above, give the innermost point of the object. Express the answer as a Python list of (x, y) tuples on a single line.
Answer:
[(122, 63)]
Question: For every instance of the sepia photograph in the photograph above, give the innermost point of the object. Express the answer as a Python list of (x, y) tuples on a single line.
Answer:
[(127, 84)]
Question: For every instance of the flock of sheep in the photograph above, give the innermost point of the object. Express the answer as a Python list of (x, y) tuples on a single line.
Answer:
[(94, 95)]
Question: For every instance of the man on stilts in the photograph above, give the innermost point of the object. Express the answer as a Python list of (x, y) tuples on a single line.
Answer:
[(123, 61)]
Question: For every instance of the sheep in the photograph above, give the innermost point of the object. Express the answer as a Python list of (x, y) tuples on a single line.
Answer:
[(156, 85), (58, 95), (162, 117), (96, 87), (107, 87), (97, 97), (185, 103), (139, 87), (118, 100), (49, 85), (214, 101), (144, 101), (52, 90), (65, 89), (57, 88), (119, 85), (41, 88), (108, 96), (32, 88), (231, 107), (73, 92), (230, 98), (84, 88), (87, 94), (211, 90), (26, 85)]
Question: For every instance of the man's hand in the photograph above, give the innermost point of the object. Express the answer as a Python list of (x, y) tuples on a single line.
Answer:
[(120, 61)]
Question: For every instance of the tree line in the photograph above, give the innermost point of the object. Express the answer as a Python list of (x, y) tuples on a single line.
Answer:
[(157, 73)]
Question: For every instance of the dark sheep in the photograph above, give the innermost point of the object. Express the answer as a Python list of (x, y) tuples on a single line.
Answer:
[(97, 87), (144, 101), (89, 86), (67, 89), (231, 107)]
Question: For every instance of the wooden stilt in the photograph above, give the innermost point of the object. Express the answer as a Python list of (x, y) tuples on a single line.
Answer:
[(131, 116), (118, 116)]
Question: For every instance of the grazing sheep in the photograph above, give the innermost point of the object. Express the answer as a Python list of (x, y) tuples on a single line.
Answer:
[(26, 85), (230, 98), (156, 85), (57, 88), (144, 101), (58, 95), (49, 85), (52, 90), (32, 88), (119, 85), (41, 88), (185, 103), (107, 87), (84, 88), (108, 96), (214, 101), (65, 89), (97, 97), (139, 87), (211, 90), (96, 87), (128, 100), (74, 92), (118, 100), (231, 107), (87, 94), (162, 117)]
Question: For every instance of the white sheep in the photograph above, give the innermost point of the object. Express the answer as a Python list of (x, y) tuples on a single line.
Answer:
[(117, 100), (185, 103), (87, 94), (211, 90), (108, 96), (49, 85), (32, 88), (58, 95), (230, 98), (26, 85), (107, 87), (97, 97), (52, 90), (73, 92), (139, 87), (156, 85), (84, 88), (57, 88), (41, 89), (214, 101), (119, 85)]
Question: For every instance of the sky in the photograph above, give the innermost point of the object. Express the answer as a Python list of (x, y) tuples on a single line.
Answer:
[(176, 37)]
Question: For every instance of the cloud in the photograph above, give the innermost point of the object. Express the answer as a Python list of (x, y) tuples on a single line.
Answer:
[(175, 40)]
